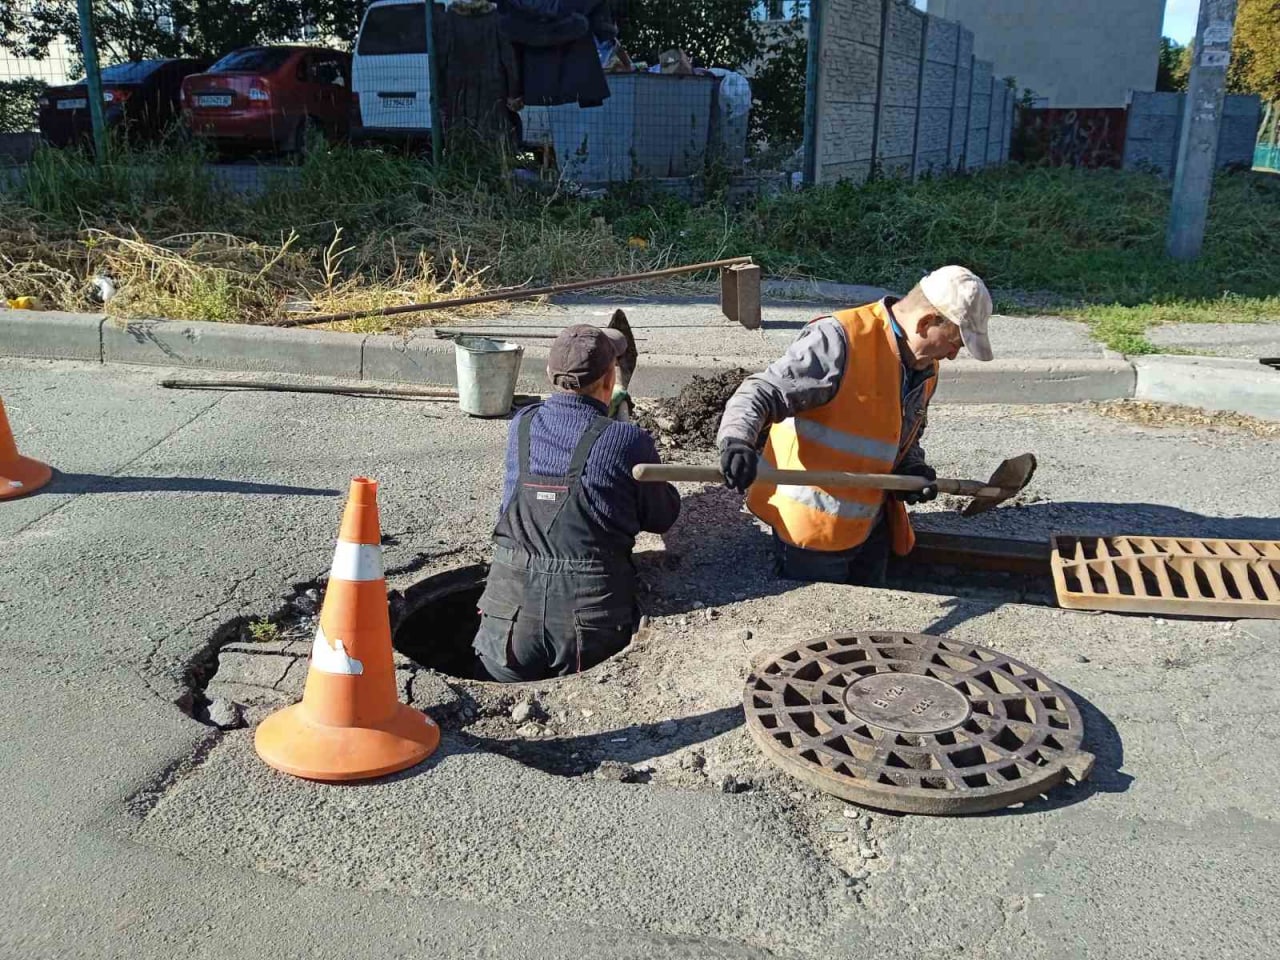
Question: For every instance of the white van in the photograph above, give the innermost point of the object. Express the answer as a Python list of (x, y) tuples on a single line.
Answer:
[(390, 72)]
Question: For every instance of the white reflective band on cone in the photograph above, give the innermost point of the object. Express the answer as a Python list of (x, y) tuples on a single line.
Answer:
[(333, 658), (357, 561)]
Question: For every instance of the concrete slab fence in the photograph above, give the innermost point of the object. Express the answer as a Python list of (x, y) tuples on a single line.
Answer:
[(899, 91)]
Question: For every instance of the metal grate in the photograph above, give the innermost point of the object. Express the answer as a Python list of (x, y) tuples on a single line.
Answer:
[(1175, 575), (914, 723)]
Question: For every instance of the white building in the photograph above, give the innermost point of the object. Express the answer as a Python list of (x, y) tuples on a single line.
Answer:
[(1085, 53)]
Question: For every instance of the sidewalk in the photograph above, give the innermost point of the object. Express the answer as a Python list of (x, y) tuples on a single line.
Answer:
[(1038, 359)]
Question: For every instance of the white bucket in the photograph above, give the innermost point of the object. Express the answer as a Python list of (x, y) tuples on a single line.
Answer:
[(487, 374)]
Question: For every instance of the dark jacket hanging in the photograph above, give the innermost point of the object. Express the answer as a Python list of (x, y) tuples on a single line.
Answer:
[(555, 43)]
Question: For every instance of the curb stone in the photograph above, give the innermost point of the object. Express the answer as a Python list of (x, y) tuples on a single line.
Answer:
[(50, 335), (224, 346), (1214, 383), (421, 358)]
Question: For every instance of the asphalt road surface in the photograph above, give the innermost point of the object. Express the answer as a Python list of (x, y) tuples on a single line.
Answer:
[(135, 831)]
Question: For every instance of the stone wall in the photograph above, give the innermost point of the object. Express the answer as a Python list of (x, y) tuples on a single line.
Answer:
[(975, 154), (900, 91), (938, 77), (1155, 127), (964, 93), (848, 88), (899, 99)]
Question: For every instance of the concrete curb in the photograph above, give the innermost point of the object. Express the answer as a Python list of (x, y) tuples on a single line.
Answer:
[(224, 346), (1035, 381), (422, 358), (49, 335), (1214, 383)]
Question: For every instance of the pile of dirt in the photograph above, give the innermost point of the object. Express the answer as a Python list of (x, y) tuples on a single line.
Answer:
[(691, 419)]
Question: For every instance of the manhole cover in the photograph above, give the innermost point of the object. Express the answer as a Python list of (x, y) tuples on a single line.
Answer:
[(916, 724)]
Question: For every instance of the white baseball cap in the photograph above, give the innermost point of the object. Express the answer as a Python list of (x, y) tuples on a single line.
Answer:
[(962, 297)]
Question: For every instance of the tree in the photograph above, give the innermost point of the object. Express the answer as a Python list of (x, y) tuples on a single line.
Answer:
[(142, 29), (778, 85), (715, 33), (1255, 52), (1171, 77)]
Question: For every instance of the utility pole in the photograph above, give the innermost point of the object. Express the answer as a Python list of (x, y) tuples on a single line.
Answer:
[(1198, 148), (93, 78)]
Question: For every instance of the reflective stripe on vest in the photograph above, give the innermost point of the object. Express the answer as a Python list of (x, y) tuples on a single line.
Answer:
[(858, 431), (840, 440), (818, 499)]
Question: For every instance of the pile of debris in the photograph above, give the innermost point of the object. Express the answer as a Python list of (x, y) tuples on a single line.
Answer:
[(689, 421)]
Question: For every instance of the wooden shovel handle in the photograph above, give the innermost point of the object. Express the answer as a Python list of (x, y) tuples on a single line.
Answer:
[(673, 472)]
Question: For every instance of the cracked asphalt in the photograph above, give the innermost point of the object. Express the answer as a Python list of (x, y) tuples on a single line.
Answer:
[(138, 832)]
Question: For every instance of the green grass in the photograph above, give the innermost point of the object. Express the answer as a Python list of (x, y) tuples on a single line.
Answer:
[(1087, 244)]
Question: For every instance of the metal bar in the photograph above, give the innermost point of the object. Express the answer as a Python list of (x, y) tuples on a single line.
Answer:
[(278, 386), (433, 92), (93, 78), (513, 293)]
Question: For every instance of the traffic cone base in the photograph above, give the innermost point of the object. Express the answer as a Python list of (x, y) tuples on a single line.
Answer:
[(294, 744), (19, 475), (22, 476)]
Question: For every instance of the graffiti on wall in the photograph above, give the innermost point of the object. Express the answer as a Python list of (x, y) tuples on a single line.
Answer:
[(1071, 137)]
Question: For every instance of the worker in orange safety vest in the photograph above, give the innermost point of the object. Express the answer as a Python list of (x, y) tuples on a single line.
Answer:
[(851, 394)]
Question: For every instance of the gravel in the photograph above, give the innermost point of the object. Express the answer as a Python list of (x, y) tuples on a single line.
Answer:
[(226, 714)]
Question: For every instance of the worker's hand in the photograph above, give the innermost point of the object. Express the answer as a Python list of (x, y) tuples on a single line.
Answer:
[(918, 496), (739, 461)]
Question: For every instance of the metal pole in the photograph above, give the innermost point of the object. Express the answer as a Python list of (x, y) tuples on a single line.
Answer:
[(93, 78), (433, 96), (811, 93), (515, 293), (1198, 148)]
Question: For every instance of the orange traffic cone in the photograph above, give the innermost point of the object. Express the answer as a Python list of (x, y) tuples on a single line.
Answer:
[(350, 724), (18, 474)]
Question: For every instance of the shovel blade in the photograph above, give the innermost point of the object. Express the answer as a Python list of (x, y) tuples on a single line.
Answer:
[(1011, 477), (626, 362)]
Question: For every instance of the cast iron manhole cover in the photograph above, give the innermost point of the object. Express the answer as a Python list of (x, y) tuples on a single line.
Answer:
[(916, 724)]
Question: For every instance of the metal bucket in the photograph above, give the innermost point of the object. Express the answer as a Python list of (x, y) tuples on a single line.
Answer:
[(487, 374)]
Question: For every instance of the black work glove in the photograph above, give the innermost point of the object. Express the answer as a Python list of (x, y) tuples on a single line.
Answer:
[(739, 461), (918, 496)]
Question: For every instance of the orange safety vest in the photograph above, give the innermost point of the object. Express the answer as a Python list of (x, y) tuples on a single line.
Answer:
[(858, 431)]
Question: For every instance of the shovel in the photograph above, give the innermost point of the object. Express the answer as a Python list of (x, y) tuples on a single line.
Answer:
[(1009, 478)]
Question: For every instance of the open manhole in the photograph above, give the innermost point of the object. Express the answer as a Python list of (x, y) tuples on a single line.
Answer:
[(438, 618), (914, 723)]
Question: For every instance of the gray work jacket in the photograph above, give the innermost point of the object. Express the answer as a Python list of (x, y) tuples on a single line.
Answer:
[(808, 376)]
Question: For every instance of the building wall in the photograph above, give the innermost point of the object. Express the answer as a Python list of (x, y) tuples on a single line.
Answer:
[(1084, 53)]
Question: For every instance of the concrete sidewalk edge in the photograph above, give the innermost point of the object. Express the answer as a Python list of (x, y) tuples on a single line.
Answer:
[(1213, 383), (422, 358)]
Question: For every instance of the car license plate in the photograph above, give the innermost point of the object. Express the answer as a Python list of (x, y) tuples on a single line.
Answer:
[(401, 103), (78, 104), (214, 100)]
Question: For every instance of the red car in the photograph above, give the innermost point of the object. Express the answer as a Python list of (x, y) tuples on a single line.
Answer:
[(273, 98)]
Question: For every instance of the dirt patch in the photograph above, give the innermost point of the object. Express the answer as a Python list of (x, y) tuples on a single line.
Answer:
[(690, 420), (1150, 414)]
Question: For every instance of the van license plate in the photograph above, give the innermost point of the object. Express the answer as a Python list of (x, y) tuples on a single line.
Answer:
[(216, 100), (77, 104), (403, 103)]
